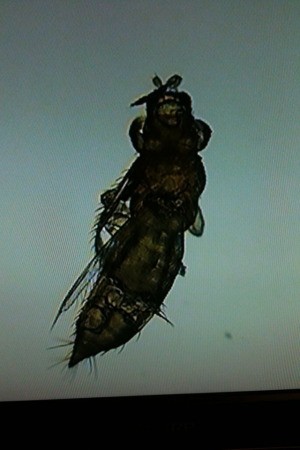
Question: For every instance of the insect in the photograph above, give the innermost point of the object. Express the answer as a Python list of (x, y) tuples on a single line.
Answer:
[(140, 226)]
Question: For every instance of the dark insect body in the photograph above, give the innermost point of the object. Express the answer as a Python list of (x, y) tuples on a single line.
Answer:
[(145, 217)]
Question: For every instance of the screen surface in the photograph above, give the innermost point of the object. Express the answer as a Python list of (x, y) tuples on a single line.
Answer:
[(69, 72)]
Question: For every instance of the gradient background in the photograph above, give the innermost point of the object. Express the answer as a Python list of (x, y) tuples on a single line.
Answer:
[(69, 70)]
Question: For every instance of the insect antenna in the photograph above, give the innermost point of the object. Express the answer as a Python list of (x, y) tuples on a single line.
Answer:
[(173, 82), (157, 81)]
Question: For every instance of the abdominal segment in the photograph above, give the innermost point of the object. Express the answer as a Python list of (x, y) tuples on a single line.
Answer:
[(139, 270), (109, 319)]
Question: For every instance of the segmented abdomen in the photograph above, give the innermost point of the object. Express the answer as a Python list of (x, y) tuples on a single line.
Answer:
[(139, 268)]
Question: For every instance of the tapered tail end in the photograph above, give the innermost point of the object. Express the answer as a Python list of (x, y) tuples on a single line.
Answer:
[(75, 359), (115, 331)]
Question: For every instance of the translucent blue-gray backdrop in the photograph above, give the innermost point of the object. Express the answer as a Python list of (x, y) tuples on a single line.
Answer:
[(69, 70)]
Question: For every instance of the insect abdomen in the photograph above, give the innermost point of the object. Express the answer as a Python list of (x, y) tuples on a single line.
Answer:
[(108, 320), (131, 288)]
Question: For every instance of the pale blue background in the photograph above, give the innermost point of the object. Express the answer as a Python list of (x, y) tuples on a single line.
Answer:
[(69, 70)]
